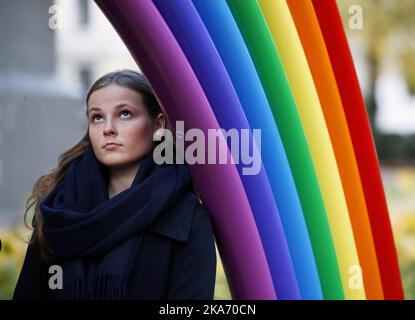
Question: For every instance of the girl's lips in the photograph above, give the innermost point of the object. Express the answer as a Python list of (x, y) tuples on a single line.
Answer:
[(111, 146)]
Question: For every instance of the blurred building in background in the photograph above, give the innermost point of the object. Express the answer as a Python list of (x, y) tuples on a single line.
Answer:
[(51, 52)]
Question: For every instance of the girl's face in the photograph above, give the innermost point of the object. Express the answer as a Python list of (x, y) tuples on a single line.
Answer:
[(116, 114)]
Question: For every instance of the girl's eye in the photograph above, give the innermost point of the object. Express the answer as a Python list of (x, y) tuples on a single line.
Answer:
[(125, 112), (94, 117)]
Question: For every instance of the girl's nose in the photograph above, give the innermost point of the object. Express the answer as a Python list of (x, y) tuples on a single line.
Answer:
[(109, 128)]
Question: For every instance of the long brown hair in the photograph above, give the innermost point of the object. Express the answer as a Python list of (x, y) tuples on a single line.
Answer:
[(47, 182)]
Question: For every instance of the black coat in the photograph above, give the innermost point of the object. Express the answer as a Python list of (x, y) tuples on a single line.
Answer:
[(176, 260)]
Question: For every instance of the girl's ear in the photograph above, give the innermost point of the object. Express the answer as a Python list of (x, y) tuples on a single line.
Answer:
[(160, 122)]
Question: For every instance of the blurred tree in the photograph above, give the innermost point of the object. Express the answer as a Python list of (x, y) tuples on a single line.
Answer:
[(384, 20), (408, 62)]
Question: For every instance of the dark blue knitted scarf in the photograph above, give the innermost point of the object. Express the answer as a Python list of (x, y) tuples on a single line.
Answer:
[(96, 239)]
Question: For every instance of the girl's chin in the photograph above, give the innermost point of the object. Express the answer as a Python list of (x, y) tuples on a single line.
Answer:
[(119, 162), (114, 161)]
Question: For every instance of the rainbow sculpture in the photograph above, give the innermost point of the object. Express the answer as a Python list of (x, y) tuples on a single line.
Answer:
[(313, 222)]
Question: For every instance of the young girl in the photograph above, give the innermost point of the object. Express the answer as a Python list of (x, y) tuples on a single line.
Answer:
[(109, 222)]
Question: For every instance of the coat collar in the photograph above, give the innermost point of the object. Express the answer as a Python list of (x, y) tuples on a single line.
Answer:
[(176, 222)]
